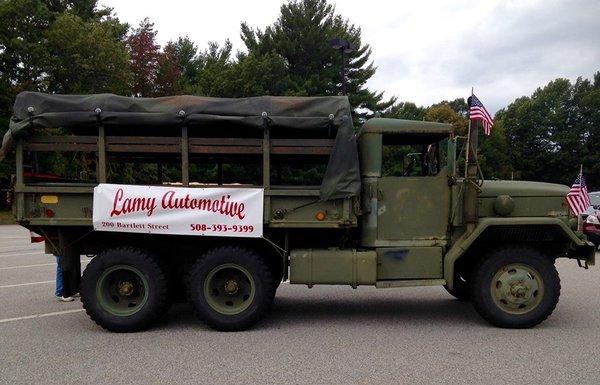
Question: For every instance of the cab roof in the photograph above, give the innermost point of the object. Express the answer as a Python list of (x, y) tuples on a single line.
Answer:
[(414, 128)]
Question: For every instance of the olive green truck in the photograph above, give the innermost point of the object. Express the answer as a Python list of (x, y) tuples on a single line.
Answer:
[(218, 201)]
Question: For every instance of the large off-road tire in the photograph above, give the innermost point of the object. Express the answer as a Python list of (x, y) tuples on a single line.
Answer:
[(230, 288), (124, 289), (461, 290), (515, 287)]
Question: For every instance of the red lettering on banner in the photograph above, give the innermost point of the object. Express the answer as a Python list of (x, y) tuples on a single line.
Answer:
[(131, 205), (222, 206)]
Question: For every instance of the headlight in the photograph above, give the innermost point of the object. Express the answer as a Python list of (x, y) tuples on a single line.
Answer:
[(593, 219)]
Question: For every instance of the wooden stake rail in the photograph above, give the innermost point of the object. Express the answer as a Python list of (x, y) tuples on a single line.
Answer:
[(184, 148), (171, 145)]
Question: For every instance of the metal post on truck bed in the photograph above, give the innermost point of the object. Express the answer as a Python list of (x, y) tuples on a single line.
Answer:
[(101, 155), (266, 146), (101, 169), (185, 160), (266, 149)]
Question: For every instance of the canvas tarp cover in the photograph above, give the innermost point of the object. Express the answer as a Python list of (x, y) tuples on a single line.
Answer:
[(33, 111)]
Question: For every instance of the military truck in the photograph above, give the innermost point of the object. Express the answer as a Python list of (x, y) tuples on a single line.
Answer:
[(220, 200)]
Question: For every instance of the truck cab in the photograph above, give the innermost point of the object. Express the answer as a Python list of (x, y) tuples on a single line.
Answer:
[(406, 210)]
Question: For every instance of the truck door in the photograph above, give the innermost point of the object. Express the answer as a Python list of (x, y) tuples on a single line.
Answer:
[(413, 207)]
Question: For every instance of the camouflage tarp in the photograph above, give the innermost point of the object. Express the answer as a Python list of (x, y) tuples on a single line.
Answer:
[(33, 111)]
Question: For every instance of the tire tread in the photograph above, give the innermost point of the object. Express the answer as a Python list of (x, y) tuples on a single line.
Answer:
[(263, 270), (479, 277), (160, 281)]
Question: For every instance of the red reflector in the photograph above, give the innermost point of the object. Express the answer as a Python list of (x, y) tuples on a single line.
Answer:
[(36, 238), (50, 213)]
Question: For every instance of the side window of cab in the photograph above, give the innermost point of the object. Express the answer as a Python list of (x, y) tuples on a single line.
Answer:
[(414, 156)]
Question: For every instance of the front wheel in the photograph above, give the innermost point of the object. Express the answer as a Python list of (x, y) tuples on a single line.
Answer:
[(230, 288), (515, 287)]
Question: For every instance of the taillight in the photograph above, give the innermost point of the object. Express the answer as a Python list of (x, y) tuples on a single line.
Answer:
[(36, 238)]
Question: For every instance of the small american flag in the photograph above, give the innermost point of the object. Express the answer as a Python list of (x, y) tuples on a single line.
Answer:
[(578, 198), (478, 112)]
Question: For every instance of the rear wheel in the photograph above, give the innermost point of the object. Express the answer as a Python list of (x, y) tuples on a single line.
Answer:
[(230, 288), (124, 290), (515, 287)]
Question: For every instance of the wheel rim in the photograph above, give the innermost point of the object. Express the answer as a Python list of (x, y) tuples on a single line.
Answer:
[(229, 289), (517, 288), (122, 290)]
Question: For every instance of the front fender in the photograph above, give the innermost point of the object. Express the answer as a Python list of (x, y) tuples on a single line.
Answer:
[(465, 241)]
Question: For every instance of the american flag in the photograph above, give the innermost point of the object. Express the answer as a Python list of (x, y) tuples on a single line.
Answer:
[(478, 112), (578, 198)]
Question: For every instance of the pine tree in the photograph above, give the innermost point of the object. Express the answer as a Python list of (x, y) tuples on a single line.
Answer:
[(302, 36)]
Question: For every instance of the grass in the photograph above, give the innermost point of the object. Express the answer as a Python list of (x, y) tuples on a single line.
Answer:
[(6, 218)]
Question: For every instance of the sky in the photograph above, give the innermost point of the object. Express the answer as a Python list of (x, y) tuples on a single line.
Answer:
[(425, 51)]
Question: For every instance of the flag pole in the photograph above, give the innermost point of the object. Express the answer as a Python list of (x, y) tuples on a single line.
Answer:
[(468, 133)]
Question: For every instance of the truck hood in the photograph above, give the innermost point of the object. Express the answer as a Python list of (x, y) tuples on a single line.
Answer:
[(493, 188)]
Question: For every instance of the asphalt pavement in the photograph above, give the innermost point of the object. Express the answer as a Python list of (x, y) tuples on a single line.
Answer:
[(323, 335)]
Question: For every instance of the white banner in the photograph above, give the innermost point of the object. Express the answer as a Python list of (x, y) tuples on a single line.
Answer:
[(220, 212)]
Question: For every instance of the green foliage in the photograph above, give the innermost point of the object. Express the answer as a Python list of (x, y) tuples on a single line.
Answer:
[(444, 113), (256, 75), (23, 54), (86, 57), (555, 130), (185, 52), (493, 154), (405, 110), (58, 46), (301, 36)]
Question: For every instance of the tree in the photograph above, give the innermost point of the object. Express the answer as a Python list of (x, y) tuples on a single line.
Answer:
[(144, 58), (493, 154), (57, 45), (214, 70), (169, 79), (405, 110), (23, 54), (530, 123), (553, 131), (86, 57), (587, 95), (255, 75), (185, 51), (444, 113), (85, 9), (301, 36)]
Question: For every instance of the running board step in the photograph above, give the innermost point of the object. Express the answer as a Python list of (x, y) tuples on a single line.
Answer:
[(409, 283)]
